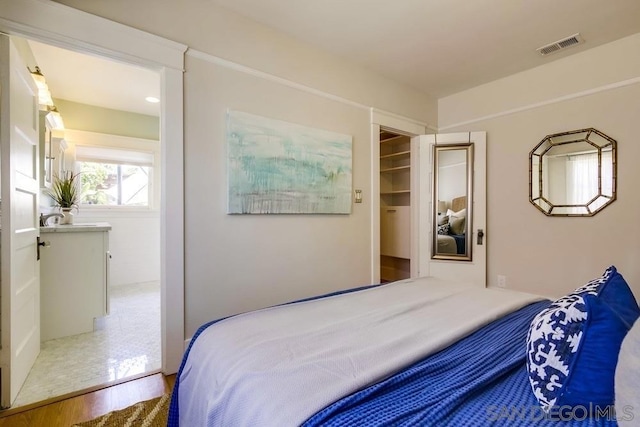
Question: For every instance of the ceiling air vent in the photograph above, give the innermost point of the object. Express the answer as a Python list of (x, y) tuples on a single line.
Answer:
[(573, 40)]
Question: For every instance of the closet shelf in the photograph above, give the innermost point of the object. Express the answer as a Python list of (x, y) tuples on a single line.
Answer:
[(396, 169), (397, 156), (392, 140), (384, 193)]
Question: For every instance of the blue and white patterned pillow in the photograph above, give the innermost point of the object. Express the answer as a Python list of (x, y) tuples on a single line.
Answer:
[(572, 346)]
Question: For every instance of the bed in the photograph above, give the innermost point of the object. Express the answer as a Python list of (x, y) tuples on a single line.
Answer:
[(414, 352), (446, 245), (451, 235)]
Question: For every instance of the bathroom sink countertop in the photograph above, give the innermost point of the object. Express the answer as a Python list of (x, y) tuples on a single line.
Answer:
[(77, 227)]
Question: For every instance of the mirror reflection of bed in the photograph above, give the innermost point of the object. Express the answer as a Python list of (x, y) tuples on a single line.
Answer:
[(451, 235)]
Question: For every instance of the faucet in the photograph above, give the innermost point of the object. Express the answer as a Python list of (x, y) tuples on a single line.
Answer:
[(44, 218)]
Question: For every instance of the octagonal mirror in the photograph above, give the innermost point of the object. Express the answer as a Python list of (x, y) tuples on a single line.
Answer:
[(573, 173)]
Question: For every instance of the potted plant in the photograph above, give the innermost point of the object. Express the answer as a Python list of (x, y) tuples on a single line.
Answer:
[(66, 195)]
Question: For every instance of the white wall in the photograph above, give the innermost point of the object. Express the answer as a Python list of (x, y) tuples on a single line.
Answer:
[(134, 243), (105, 120), (238, 263), (598, 88)]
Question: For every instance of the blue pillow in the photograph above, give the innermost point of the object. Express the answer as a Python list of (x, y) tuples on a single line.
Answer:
[(573, 345)]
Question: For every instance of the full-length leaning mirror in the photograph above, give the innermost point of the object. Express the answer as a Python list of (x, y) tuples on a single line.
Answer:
[(573, 173), (452, 194)]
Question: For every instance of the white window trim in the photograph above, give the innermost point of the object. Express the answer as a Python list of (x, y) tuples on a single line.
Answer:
[(94, 139)]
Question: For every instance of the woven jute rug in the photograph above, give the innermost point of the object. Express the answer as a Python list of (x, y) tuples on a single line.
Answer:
[(150, 413)]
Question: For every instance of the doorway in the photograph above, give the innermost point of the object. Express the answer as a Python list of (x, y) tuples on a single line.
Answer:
[(66, 27), (119, 170), (395, 206)]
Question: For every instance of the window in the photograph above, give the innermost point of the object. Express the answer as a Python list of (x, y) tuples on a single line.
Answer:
[(585, 179), (114, 177)]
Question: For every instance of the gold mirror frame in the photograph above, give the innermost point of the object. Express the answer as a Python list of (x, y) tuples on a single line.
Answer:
[(458, 195), (565, 145)]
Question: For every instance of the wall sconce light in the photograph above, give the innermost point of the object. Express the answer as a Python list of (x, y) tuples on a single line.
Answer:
[(358, 196), (38, 77), (44, 96), (54, 119)]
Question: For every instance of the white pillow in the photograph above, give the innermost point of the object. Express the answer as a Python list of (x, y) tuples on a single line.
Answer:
[(460, 214), (627, 379)]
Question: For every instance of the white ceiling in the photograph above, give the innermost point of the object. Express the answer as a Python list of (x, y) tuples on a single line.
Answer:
[(445, 46), (437, 46), (96, 81)]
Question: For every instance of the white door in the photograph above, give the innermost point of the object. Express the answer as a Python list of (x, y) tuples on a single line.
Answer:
[(474, 270), (20, 270)]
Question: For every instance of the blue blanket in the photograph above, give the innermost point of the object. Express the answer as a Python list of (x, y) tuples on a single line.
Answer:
[(478, 381), (461, 243)]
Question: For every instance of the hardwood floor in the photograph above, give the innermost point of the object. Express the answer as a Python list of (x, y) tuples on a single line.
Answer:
[(90, 405)]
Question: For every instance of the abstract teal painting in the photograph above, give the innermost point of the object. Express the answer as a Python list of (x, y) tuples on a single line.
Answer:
[(276, 167)]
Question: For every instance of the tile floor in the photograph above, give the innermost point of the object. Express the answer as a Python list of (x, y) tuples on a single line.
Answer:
[(125, 343)]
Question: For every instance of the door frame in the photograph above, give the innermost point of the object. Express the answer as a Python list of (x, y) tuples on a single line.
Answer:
[(403, 126), (66, 27)]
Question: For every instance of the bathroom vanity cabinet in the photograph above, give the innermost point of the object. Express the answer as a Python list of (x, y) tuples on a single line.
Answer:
[(74, 278)]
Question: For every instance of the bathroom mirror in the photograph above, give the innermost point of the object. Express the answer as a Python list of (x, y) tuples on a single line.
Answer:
[(573, 173), (452, 194)]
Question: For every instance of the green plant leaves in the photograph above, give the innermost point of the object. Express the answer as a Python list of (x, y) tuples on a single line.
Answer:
[(64, 190)]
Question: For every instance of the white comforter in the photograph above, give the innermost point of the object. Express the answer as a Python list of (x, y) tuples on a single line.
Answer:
[(279, 366)]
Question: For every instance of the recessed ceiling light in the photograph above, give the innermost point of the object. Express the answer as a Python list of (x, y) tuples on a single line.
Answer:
[(152, 99)]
